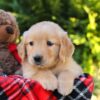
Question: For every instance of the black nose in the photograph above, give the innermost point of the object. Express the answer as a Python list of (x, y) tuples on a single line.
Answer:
[(38, 59), (9, 30)]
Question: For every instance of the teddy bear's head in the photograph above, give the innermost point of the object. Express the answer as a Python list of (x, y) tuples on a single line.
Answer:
[(9, 30)]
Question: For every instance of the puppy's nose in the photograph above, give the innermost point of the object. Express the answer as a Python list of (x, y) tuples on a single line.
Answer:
[(38, 59)]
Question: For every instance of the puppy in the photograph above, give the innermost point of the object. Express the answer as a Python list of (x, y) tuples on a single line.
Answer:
[(46, 53)]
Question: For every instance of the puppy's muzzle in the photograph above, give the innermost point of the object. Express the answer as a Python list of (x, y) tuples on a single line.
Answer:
[(38, 59)]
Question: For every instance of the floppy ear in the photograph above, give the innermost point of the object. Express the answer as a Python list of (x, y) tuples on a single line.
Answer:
[(22, 50), (66, 49)]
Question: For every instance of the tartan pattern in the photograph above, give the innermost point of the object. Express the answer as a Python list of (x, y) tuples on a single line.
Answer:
[(82, 91), (15, 87), (83, 88)]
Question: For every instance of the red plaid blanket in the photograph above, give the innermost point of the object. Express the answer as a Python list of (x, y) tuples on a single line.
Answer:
[(15, 87), (83, 89)]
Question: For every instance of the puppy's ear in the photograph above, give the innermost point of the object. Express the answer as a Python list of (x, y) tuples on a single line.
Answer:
[(22, 50), (66, 49)]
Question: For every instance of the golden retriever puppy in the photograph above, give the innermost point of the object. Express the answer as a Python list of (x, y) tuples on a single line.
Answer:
[(46, 53)]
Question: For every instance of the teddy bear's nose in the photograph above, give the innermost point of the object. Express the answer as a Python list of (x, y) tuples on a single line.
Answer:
[(9, 30)]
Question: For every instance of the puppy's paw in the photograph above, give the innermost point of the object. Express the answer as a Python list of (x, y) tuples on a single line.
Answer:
[(65, 87), (65, 83), (48, 83)]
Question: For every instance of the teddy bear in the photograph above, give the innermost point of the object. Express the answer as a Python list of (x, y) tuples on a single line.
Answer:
[(9, 32)]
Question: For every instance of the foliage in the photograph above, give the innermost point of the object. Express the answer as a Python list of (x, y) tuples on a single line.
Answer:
[(81, 18)]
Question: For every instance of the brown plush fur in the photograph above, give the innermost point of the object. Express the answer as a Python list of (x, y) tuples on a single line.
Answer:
[(58, 69), (7, 21), (9, 32)]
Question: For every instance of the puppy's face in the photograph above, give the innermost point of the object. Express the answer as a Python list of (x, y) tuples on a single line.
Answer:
[(42, 49), (45, 44)]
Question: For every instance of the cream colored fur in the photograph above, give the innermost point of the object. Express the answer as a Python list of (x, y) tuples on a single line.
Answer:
[(58, 69)]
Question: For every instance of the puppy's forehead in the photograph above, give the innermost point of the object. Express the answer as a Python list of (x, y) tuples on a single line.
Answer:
[(45, 28), (41, 35)]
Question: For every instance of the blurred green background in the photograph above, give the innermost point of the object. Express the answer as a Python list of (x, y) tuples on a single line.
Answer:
[(80, 18)]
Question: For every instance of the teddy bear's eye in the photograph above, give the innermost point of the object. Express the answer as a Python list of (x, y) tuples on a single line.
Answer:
[(31, 43), (49, 43)]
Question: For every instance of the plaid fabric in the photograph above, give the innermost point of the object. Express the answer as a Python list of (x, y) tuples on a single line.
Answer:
[(15, 87), (83, 88)]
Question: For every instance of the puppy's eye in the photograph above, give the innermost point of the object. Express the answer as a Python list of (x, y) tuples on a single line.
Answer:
[(31, 43), (49, 43)]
